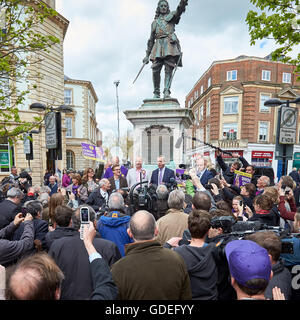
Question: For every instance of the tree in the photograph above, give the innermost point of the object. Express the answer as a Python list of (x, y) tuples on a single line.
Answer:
[(19, 43), (278, 20)]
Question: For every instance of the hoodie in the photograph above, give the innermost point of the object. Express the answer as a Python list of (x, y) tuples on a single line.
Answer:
[(114, 228), (202, 270)]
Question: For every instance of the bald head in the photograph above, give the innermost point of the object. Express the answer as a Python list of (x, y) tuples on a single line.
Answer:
[(142, 226)]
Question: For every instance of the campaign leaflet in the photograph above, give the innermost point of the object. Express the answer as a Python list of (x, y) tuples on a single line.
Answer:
[(241, 178)]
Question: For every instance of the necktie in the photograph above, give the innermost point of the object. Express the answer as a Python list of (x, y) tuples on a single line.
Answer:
[(160, 176)]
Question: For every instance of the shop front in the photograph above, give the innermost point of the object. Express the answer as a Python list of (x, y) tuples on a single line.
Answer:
[(262, 158)]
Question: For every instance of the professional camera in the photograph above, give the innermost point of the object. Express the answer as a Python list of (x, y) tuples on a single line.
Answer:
[(144, 198), (172, 185)]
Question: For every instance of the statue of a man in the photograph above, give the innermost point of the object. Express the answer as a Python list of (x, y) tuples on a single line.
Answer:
[(163, 46)]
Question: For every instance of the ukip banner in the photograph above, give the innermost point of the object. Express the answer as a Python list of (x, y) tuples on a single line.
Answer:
[(241, 178), (91, 152)]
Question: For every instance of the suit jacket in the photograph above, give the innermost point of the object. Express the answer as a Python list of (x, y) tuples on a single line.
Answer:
[(123, 183), (205, 177), (95, 199), (168, 174), (8, 211)]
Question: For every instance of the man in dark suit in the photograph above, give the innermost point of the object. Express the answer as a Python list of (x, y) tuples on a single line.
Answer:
[(10, 206), (202, 172), (162, 174)]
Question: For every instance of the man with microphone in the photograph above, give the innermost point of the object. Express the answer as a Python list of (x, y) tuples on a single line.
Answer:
[(137, 174)]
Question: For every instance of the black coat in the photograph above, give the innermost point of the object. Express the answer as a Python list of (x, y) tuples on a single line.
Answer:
[(95, 200), (8, 211), (58, 233), (40, 230), (72, 258)]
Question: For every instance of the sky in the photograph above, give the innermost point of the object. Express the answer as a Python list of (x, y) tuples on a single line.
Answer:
[(107, 39)]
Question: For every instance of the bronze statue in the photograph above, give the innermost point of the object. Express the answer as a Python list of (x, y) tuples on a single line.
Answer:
[(163, 47)]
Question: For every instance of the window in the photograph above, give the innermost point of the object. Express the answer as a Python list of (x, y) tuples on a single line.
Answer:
[(201, 113), (263, 98), (196, 115), (70, 159), (231, 105), (209, 82), (68, 96), (2, 23), (196, 94), (207, 136), (286, 77), (6, 155), (68, 124), (266, 75), (189, 103), (230, 131), (263, 131), (201, 90), (208, 108), (232, 75)]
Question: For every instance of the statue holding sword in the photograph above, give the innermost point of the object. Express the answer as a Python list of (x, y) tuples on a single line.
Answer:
[(163, 47)]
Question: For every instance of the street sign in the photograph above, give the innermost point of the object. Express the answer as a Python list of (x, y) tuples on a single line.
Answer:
[(26, 143), (50, 130), (288, 124)]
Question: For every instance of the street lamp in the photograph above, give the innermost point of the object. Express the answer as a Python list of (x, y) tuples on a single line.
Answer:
[(53, 135), (286, 128), (116, 83)]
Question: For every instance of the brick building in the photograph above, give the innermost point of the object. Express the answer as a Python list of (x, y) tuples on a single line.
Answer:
[(228, 104)]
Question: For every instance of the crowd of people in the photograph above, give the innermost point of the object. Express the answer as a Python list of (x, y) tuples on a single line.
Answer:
[(180, 247)]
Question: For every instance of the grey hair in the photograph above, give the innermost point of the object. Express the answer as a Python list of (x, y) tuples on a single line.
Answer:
[(176, 199), (45, 189), (162, 192), (43, 198), (102, 182), (15, 193), (76, 216), (142, 225), (116, 201)]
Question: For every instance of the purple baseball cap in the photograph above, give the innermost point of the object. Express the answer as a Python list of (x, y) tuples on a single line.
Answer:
[(247, 260)]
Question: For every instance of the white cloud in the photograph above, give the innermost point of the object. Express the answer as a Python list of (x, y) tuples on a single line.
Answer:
[(106, 41)]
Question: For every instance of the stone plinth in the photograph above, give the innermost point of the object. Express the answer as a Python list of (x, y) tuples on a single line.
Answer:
[(158, 124)]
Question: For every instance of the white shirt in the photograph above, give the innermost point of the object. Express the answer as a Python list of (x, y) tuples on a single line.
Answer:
[(133, 176)]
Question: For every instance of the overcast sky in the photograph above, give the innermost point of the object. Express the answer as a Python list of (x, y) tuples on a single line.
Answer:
[(106, 41)]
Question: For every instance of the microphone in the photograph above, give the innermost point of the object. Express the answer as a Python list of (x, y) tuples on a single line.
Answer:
[(178, 143)]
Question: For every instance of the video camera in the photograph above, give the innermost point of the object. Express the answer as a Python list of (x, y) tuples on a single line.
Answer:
[(144, 198), (172, 185)]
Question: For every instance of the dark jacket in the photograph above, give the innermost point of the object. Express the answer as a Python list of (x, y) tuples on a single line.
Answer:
[(151, 272), (71, 256), (228, 175), (202, 270), (11, 251), (270, 219), (168, 174), (58, 233), (95, 200), (8, 211), (207, 175), (40, 230), (123, 183), (282, 279), (113, 227), (103, 284)]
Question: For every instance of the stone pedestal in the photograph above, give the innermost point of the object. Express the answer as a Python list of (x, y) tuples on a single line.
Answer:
[(158, 124)]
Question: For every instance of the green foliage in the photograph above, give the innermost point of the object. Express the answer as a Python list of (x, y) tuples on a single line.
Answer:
[(20, 41), (278, 20)]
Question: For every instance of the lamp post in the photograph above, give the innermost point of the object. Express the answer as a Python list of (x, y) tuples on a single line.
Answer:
[(286, 129), (116, 83), (52, 120)]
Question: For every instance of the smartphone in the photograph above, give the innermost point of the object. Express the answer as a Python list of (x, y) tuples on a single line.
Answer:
[(24, 212), (84, 219), (241, 203)]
